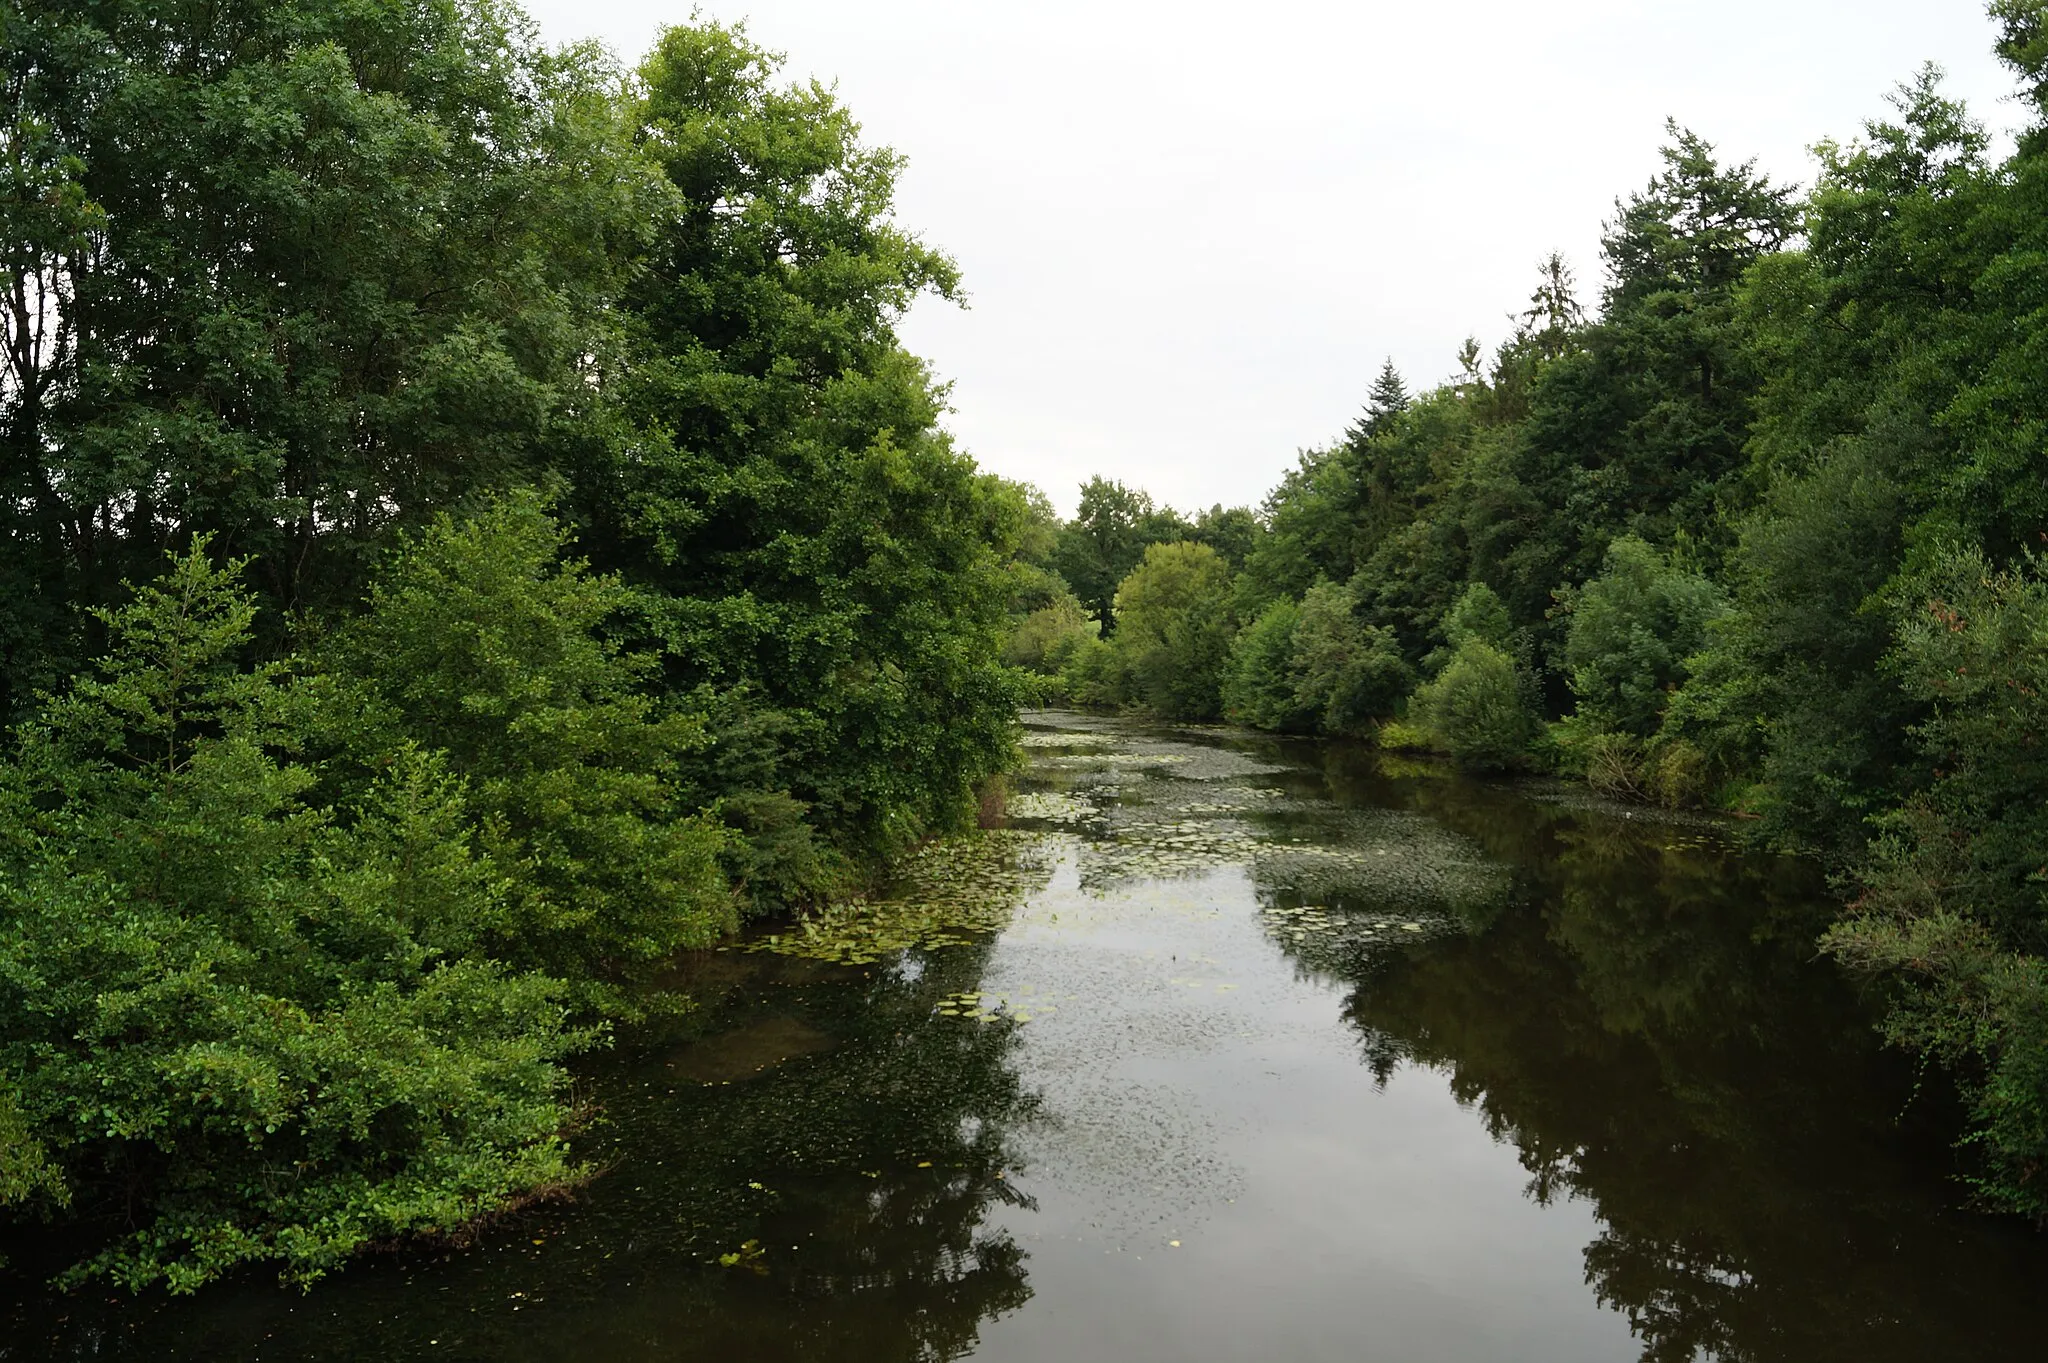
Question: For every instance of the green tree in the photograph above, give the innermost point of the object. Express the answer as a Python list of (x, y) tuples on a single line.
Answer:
[(1044, 640), (1859, 335), (1177, 628), (1107, 539), (1955, 898), (1259, 684), (1389, 398), (1232, 531), (1633, 628), (1478, 708), (769, 474), (1639, 426), (263, 1023), (480, 640), (1346, 673), (291, 272)]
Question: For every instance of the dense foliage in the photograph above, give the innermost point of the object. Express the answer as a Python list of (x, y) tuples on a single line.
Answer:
[(1757, 533), (468, 531)]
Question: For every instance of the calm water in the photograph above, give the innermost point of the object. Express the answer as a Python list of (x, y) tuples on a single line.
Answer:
[(1279, 1053)]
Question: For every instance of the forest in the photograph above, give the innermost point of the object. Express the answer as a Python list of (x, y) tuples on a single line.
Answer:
[(472, 533)]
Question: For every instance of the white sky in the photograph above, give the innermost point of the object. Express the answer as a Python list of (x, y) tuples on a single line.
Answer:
[(1191, 231)]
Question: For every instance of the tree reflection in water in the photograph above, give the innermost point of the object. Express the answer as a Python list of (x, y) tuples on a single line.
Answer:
[(1644, 1019)]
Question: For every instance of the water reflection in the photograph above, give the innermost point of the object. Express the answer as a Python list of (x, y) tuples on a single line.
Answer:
[(1648, 1026)]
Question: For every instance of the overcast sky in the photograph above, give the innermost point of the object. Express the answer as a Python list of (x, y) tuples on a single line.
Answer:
[(1191, 231)]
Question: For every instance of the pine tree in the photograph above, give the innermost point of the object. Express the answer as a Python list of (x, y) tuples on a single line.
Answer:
[(1388, 399), (1553, 314)]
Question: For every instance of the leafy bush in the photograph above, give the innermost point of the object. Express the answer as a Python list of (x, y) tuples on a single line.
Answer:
[(1043, 641), (1096, 675), (1259, 683), (265, 1021), (1955, 897), (1479, 614), (1632, 630), (1478, 709), (1348, 673), (480, 641), (1174, 630)]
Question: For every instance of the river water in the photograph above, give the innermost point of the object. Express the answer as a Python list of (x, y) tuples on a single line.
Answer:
[(1227, 1049)]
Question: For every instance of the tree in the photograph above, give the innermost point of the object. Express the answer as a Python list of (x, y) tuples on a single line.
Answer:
[(1177, 629), (769, 473), (480, 640), (1955, 900), (1553, 317), (1389, 398), (1345, 672), (1695, 229), (1108, 537), (286, 275), (1477, 707), (1633, 630), (1259, 686), (268, 1025)]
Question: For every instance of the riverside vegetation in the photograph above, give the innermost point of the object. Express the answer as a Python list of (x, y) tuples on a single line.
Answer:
[(472, 533), (1762, 532)]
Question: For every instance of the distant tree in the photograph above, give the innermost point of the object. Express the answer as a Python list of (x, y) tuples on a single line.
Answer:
[(1553, 316), (1695, 228), (1345, 672), (1100, 546), (1259, 686), (1231, 531), (1175, 642)]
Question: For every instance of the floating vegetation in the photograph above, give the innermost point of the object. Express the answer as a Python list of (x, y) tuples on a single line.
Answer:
[(1052, 806), (1333, 941), (993, 1006), (1060, 739), (1106, 758), (1299, 922), (749, 1255), (947, 894)]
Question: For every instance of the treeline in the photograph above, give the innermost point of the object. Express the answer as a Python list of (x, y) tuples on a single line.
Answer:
[(468, 530), (1762, 532)]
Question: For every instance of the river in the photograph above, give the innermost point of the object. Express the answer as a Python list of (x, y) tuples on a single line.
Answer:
[(1226, 1049)]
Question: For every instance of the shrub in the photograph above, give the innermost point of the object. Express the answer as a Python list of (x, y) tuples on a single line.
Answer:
[(1955, 901), (1349, 673), (481, 641), (1478, 709), (261, 1026), (1095, 675), (1632, 630), (1043, 641), (1259, 684), (1479, 614), (1174, 630)]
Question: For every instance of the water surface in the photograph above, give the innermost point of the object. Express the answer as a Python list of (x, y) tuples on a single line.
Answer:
[(1228, 1049)]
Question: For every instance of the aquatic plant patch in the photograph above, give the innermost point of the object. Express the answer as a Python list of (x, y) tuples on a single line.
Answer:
[(949, 893)]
